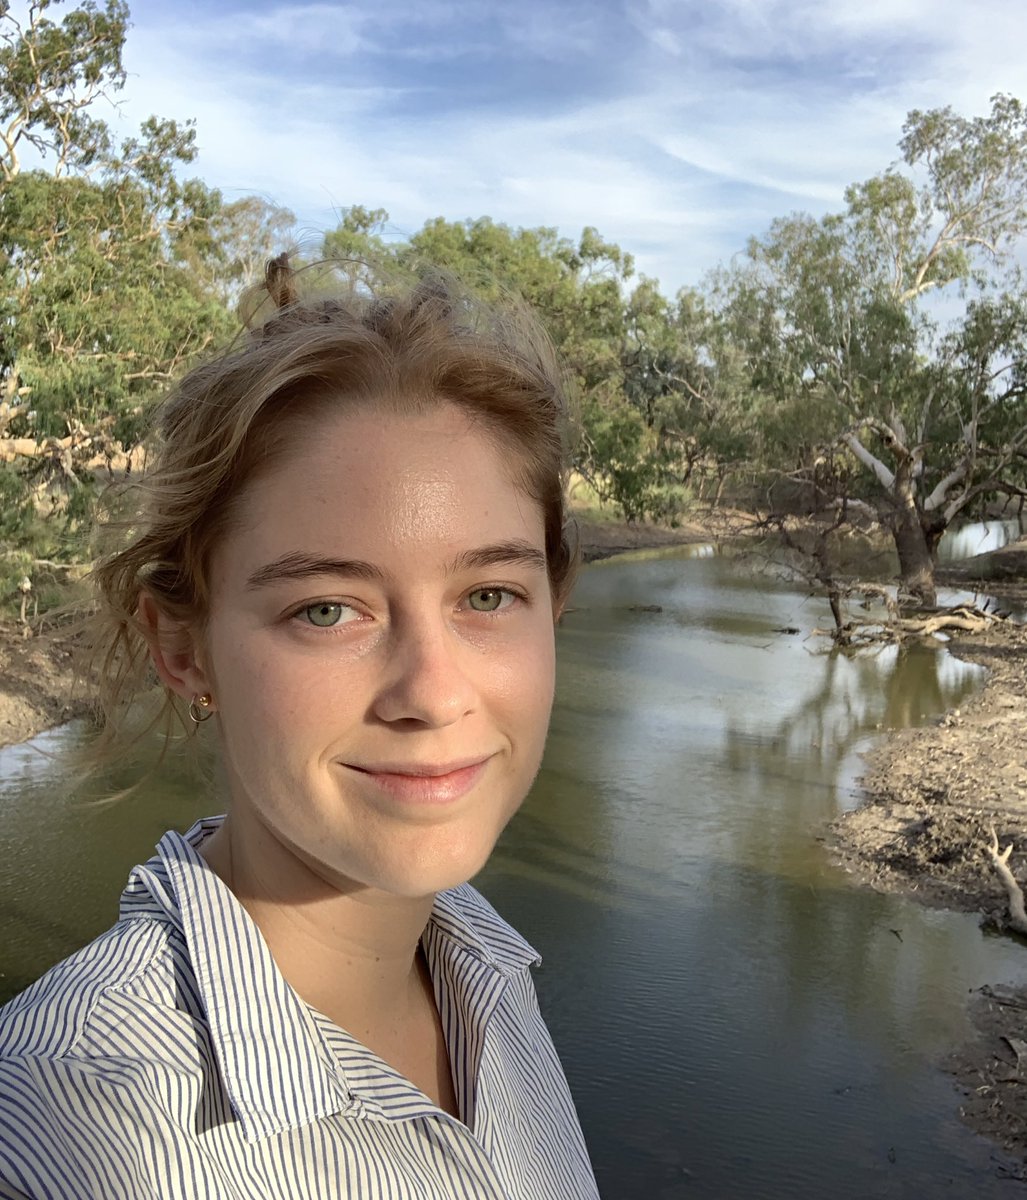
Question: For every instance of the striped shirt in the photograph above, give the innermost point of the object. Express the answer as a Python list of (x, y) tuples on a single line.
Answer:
[(169, 1058)]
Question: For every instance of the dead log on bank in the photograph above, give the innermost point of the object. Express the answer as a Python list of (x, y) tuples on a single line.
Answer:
[(896, 627)]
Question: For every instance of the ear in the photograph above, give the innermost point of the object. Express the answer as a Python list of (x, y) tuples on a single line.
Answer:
[(174, 650)]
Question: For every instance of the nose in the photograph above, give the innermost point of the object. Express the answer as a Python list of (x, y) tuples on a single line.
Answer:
[(426, 680)]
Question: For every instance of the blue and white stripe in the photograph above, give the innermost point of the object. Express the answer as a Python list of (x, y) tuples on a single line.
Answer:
[(169, 1058)]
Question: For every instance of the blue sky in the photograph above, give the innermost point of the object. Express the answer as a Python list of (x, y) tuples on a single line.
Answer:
[(676, 128)]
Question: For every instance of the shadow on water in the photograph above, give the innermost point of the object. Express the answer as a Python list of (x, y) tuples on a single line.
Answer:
[(735, 1017)]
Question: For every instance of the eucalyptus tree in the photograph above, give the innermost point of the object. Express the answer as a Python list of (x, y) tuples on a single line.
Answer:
[(107, 257), (101, 282), (699, 370), (358, 248), (934, 417), (51, 74), (247, 233), (577, 288)]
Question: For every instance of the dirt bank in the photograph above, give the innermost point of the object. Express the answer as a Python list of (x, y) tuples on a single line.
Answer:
[(933, 796), (603, 539), (38, 687)]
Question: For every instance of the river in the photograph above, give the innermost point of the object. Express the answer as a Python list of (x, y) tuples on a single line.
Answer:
[(736, 1018)]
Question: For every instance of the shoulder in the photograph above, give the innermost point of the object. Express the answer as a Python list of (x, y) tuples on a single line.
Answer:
[(89, 1055), (464, 915), (54, 1015)]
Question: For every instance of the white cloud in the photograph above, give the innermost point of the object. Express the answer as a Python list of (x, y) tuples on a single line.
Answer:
[(293, 29), (666, 40), (689, 134)]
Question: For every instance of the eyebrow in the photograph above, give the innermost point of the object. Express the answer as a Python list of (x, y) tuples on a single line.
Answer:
[(299, 565), (502, 554)]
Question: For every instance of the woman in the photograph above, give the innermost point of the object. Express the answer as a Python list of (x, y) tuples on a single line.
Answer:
[(348, 555)]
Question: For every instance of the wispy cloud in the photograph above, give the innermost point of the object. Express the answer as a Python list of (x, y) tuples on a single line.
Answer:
[(676, 128), (329, 31)]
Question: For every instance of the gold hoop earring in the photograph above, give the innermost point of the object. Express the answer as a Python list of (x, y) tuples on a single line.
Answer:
[(199, 709)]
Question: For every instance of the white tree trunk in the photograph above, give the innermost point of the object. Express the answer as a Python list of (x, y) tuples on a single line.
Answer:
[(1014, 893)]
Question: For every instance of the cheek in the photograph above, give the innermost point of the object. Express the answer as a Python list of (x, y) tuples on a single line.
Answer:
[(528, 679), (285, 705), (260, 696)]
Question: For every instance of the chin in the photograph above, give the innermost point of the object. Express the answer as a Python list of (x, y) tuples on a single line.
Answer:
[(437, 872)]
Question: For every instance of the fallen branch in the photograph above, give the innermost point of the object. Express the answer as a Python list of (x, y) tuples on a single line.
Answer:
[(1014, 893), (86, 452), (894, 628), (1002, 994), (12, 448), (963, 618)]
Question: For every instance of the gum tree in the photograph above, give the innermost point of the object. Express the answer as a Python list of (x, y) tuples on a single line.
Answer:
[(51, 74), (934, 417), (106, 260)]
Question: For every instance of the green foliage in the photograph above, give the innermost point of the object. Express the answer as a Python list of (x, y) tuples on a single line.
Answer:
[(16, 508), (50, 74), (107, 310), (357, 238), (621, 459), (110, 281)]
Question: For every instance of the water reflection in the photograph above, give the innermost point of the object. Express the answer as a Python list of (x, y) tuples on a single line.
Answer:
[(980, 537)]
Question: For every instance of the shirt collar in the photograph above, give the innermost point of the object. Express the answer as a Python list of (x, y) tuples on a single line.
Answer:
[(463, 916), (277, 1068), (275, 1061)]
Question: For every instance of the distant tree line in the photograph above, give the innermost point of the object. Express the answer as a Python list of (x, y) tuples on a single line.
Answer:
[(816, 375)]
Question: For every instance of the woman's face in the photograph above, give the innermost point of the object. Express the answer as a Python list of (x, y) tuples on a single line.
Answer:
[(380, 650)]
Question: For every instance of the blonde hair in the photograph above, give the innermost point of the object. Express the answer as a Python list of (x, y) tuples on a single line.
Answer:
[(236, 415)]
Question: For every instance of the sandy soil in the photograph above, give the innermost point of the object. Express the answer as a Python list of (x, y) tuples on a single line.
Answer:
[(603, 539), (934, 793), (38, 683)]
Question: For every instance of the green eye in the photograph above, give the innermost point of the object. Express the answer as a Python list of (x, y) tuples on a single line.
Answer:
[(324, 614), (487, 599)]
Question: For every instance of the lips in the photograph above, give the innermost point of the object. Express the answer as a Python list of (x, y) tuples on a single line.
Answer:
[(423, 783)]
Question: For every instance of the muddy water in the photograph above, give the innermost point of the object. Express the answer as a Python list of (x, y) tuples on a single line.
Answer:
[(736, 1019)]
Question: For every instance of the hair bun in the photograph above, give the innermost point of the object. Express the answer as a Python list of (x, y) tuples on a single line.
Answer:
[(279, 280)]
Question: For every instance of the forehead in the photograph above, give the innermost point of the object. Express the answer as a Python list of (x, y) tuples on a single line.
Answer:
[(375, 483)]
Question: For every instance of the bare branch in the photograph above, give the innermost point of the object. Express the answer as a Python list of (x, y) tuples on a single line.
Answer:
[(945, 485), (884, 476)]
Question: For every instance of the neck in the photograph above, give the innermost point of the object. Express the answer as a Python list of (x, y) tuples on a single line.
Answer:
[(351, 952)]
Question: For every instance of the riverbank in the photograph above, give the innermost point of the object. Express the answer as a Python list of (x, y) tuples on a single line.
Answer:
[(38, 683), (604, 539), (933, 796)]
